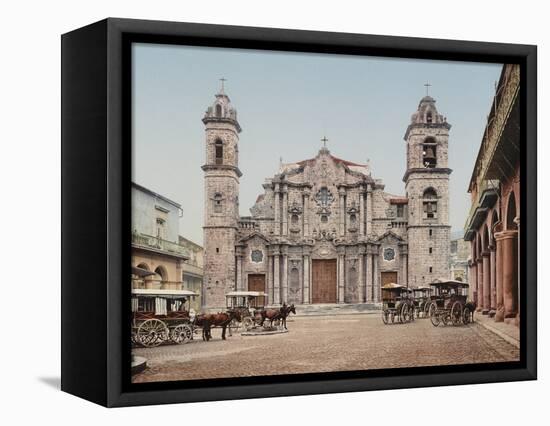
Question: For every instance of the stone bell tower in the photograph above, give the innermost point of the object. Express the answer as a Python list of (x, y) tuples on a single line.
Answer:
[(427, 186), (221, 197)]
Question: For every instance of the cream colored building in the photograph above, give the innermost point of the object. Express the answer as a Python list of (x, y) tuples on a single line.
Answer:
[(155, 240)]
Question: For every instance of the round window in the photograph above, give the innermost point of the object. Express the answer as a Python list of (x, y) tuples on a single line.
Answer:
[(389, 254), (257, 256)]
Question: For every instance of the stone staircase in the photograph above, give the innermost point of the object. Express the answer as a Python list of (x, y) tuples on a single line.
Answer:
[(338, 309)]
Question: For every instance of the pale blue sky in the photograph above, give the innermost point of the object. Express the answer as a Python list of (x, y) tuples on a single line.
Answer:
[(286, 102)]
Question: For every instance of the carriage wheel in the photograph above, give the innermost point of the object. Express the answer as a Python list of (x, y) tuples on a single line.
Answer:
[(247, 323), (466, 315), (456, 313), (404, 314), (385, 316), (152, 333), (434, 318), (432, 309), (234, 326), (446, 317), (427, 309), (181, 334), (412, 311)]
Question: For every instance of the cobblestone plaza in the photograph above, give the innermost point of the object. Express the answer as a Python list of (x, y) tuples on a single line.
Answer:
[(324, 344)]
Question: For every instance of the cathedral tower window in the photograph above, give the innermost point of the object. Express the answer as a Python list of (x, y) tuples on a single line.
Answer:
[(429, 118), (218, 203), (219, 110), (219, 152), (429, 153), (430, 204)]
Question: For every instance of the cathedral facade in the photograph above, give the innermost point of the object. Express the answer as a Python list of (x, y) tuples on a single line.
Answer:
[(324, 230)]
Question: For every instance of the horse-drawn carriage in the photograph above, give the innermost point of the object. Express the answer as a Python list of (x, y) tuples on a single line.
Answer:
[(397, 304), (249, 304), (449, 303), (160, 315), (421, 300)]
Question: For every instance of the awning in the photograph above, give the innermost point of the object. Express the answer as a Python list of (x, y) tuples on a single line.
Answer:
[(171, 294), (140, 272)]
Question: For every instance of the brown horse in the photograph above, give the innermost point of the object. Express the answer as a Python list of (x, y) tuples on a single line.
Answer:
[(221, 319), (277, 314)]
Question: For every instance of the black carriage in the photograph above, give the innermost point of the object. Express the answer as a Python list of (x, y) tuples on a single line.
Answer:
[(421, 300), (249, 304), (397, 304), (160, 316), (449, 303)]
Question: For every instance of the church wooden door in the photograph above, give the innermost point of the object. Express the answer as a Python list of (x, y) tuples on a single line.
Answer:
[(323, 289), (389, 277), (256, 282)]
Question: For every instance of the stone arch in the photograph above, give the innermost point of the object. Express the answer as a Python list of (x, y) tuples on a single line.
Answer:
[(162, 272), (144, 265), (511, 212)]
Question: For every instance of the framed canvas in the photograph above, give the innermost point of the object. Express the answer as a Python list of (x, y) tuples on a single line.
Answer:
[(256, 212)]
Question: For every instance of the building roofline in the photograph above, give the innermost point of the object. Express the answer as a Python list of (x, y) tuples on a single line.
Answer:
[(156, 194)]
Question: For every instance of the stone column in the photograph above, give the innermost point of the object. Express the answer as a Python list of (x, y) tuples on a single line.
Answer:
[(516, 220), (269, 280), (486, 282), (284, 278), (368, 211), (306, 279), (306, 213), (479, 283), (472, 278), (341, 276), (239, 283), (342, 198), (493, 309), (362, 212), (376, 278), (285, 210), (276, 278), (369, 297), (277, 208), (509, 271), (179, 274), (360, 278), (499, 316), (404, 255)]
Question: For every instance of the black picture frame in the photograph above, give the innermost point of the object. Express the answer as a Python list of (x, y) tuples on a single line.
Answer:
[(95, 210)]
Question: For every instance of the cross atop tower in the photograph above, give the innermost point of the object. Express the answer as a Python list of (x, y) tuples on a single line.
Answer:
[(324, 140), (427, 85), (223, 80)]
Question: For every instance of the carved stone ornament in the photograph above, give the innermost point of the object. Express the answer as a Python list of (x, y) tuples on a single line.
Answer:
[(324, 197), (389, 254), (390, 212), (353, 208), (257, 256), (295, 208), (324, 235)]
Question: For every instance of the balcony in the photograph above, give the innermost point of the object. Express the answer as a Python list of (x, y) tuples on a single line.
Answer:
[(487, 195), (247, 223), (159, 245)]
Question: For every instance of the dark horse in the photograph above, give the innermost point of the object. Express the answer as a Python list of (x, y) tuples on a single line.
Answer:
[(277, 314), (285, 312), (221, 319)]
